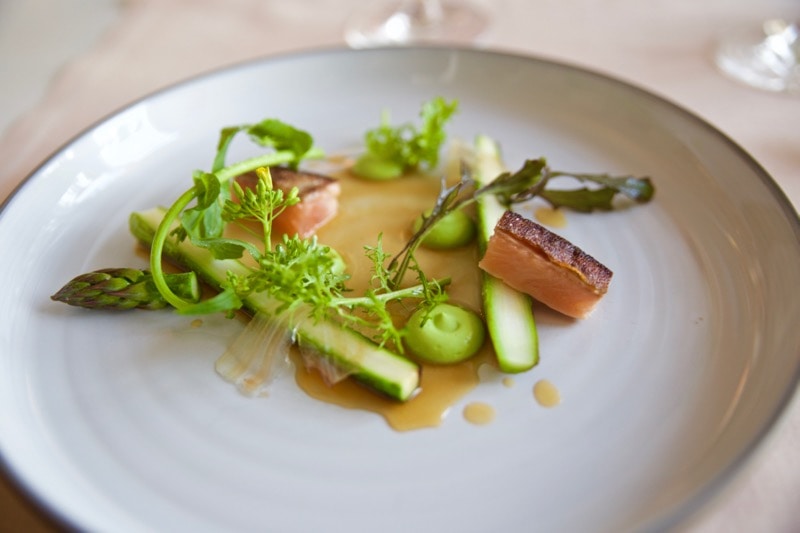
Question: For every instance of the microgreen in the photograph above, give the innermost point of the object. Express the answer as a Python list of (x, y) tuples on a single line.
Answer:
[(397, 150), (203, 223), (293, 272)]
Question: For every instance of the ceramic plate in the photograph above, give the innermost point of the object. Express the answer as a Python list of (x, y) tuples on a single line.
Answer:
[(120, 423)]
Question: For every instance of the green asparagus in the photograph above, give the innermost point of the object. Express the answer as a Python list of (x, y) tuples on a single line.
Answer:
[(124, 288), (366, 361)]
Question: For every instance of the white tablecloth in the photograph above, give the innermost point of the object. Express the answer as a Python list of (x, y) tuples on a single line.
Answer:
[(664, 46)]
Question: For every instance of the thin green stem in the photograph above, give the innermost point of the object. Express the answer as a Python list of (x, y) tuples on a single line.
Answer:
[(224, 175), (157, 248), (417, 291), (267, 160)]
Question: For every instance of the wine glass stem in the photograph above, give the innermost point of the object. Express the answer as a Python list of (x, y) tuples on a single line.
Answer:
[(769, 62), (424, 12)]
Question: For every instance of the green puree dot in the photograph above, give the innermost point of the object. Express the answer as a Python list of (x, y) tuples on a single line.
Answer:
[(450, 334), (453, 230), (372, 167)]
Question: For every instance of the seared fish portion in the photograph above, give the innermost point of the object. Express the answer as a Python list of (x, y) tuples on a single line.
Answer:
[(536, 261), (319, 199)]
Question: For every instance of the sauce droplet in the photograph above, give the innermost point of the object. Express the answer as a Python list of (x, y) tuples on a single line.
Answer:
[(479, 413), (508, 382), (546, 394), (196, 323), (441, 387), (551, 217)]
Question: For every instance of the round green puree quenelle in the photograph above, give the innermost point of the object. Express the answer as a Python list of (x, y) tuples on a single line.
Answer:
[(455, 229), (450, 334)]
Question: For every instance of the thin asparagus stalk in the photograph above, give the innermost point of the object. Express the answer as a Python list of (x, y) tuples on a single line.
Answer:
[(124, 288)]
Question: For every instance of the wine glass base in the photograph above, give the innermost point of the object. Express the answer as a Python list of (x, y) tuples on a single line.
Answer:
[(409, 23), (768, 61)]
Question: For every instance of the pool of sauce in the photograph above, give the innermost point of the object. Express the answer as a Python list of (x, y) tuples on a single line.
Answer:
[(368, 209)]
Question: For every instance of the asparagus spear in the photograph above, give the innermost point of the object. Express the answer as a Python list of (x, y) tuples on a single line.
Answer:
[(370, 364), (124, 288)]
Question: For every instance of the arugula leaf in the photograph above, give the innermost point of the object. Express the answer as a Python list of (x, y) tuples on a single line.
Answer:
[(393, 151), (518, 186), (586, 200), (583, 200), (510, 188)]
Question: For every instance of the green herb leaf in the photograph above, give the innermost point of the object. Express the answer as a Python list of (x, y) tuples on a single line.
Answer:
[(270, 133), (518, 186), (639, 190), (406, 148), (282, 136), (226, 135), (204, 221), (226, 301), (207, 189), (583, 200), (222, 248)]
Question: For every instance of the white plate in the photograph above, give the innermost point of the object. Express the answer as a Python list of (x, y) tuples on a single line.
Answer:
[(121, 423)]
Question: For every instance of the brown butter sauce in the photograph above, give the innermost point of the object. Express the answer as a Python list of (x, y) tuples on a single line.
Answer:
[(366, 210), (440, 388), (552, 217), (546, 394)]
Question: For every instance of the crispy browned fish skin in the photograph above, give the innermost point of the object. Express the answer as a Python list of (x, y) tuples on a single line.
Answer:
[(534, 260), (319, 199)]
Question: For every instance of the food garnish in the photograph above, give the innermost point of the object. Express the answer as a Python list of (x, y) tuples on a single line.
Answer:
[(383, 370), (446, 334), (508, 312), (232, 229), (394, 151), (318, 197), (124, 288)]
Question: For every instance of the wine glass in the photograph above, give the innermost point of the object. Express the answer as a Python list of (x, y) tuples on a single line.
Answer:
[(415, 21), (768, 61)]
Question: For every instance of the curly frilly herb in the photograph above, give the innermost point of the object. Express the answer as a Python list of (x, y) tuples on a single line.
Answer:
[(293, 272), (392, 151)]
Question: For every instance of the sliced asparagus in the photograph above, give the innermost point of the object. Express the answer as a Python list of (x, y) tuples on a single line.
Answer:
[(382, 370), (509, 315)]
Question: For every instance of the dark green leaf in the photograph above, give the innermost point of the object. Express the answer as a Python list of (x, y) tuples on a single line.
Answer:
[(281, 136), (522, 185), (226, 302), (225, 138), (584, 200)]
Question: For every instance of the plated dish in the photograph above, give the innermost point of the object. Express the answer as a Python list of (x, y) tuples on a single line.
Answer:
[(671, 385)]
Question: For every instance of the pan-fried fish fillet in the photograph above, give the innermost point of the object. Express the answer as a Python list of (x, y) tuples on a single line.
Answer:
[(534, 260), (319, 199)]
